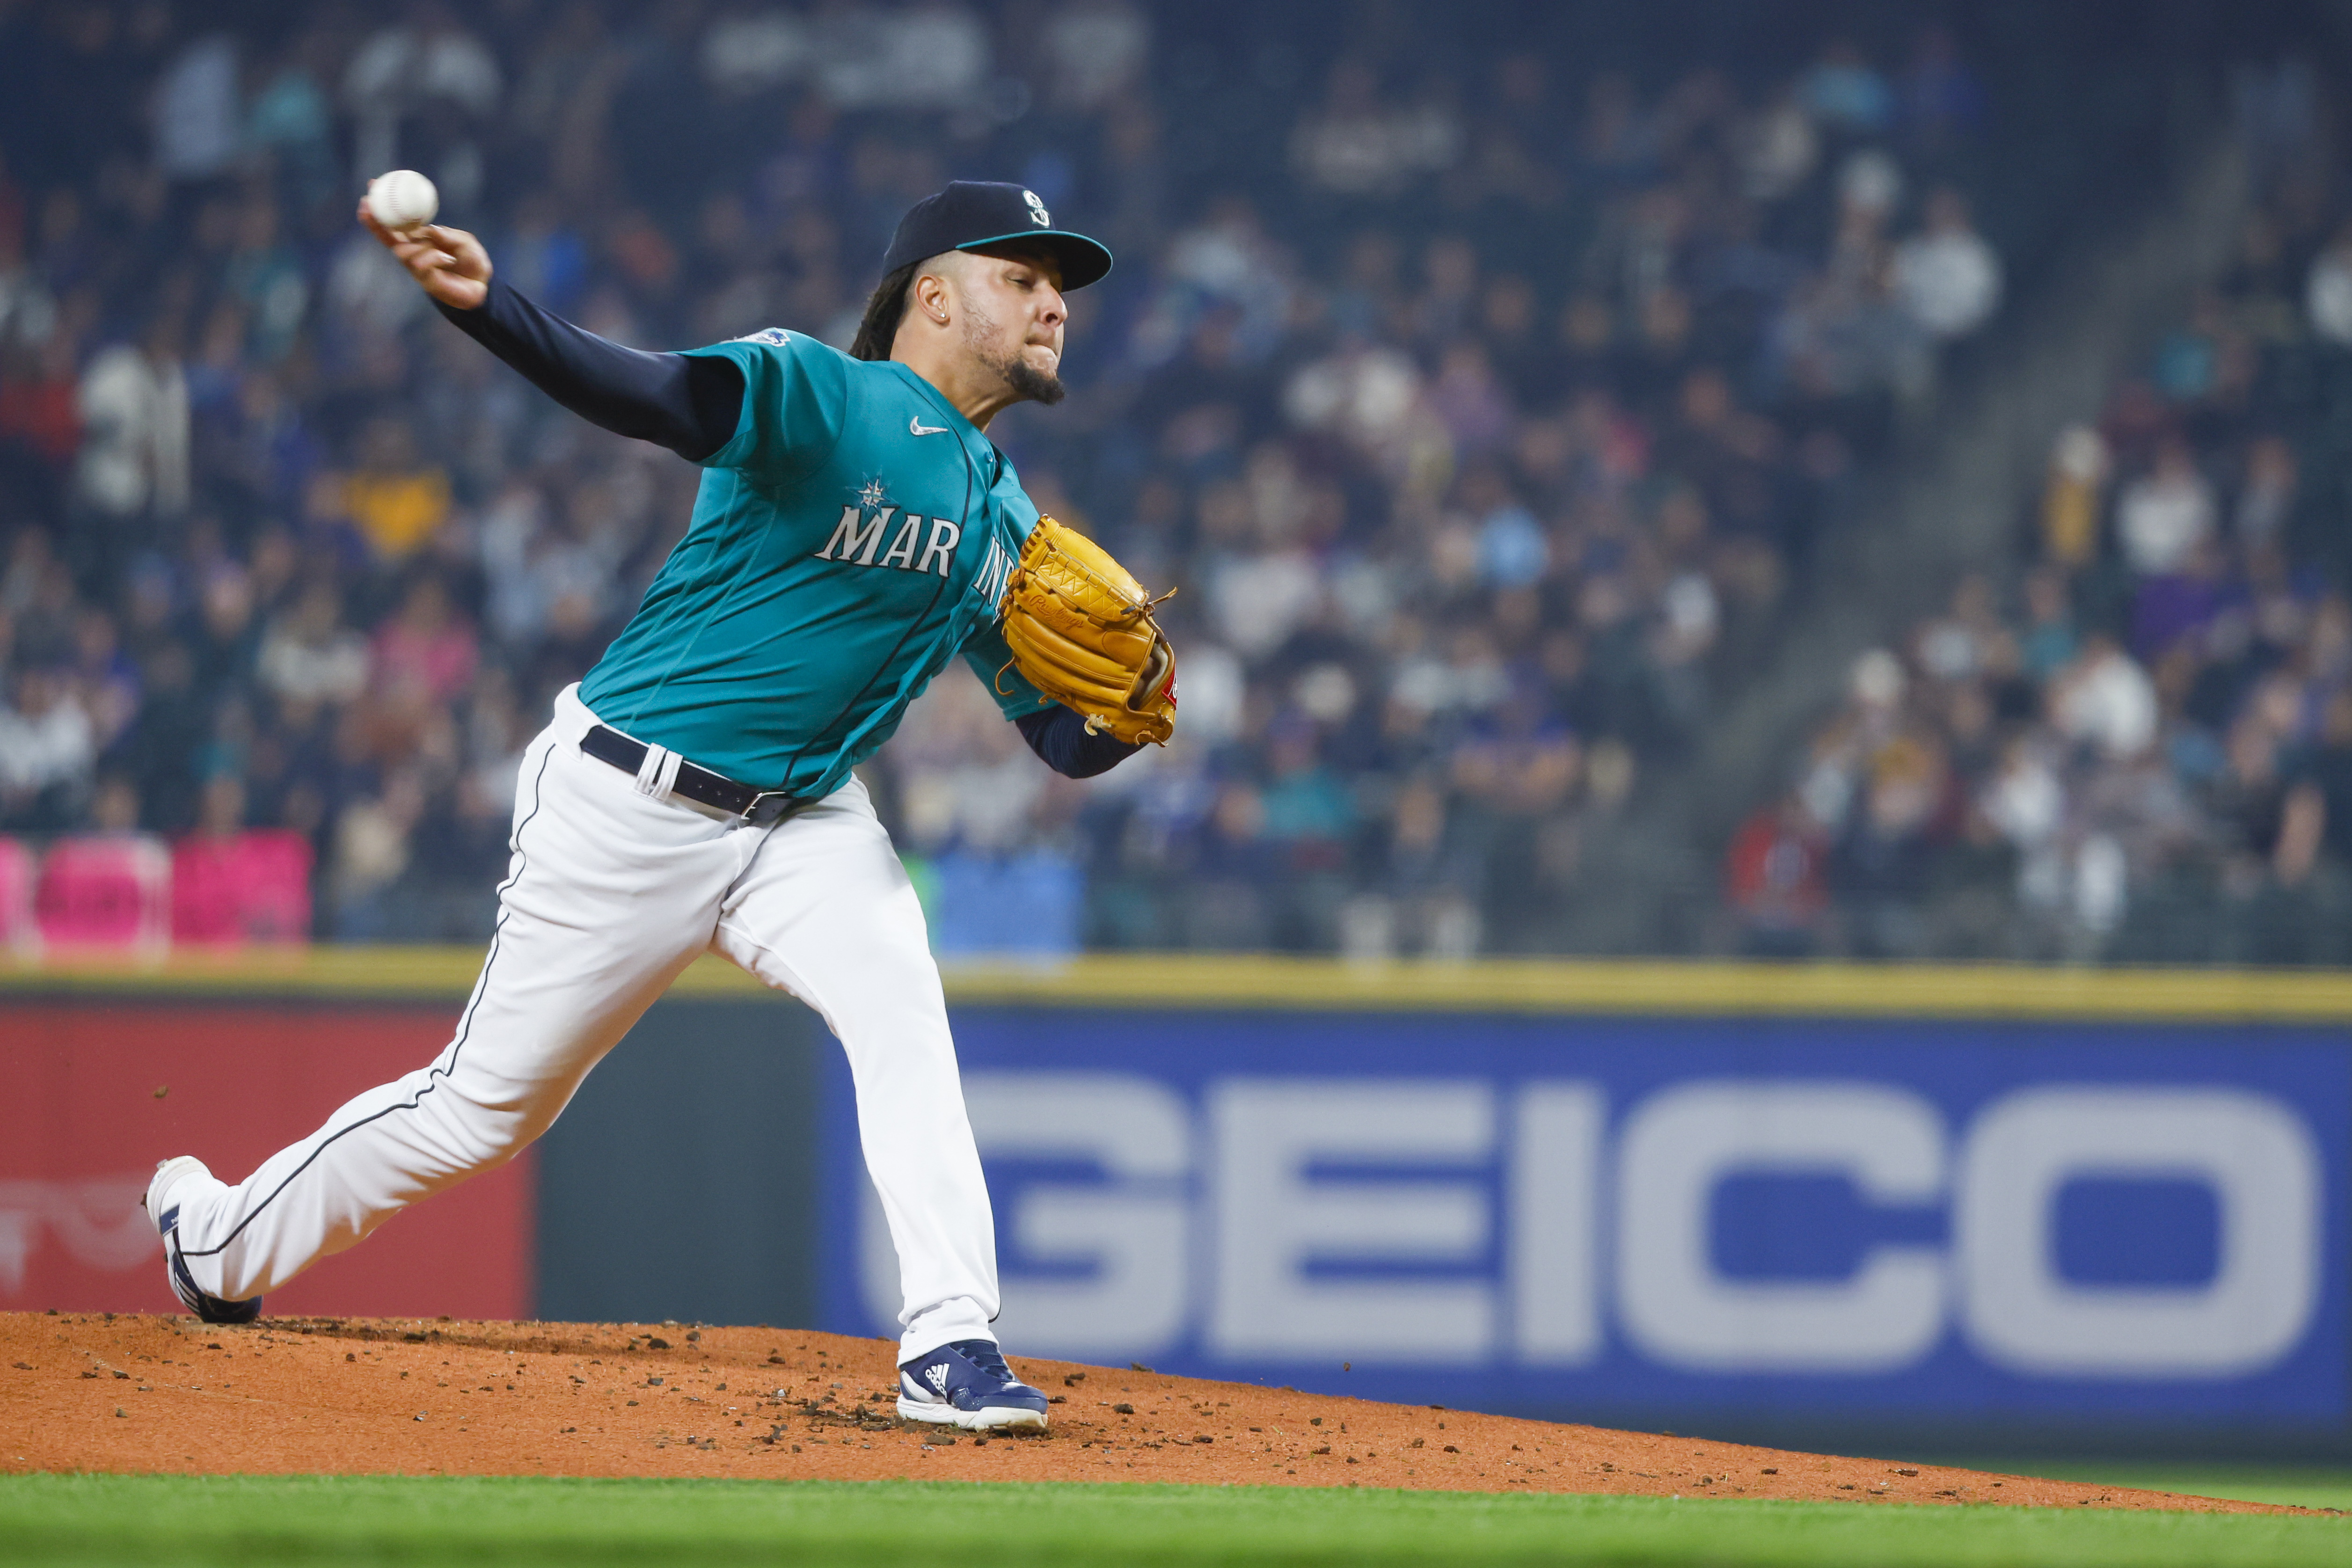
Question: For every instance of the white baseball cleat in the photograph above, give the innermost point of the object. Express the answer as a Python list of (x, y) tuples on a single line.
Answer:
[(163, 1209), (967, 1384)]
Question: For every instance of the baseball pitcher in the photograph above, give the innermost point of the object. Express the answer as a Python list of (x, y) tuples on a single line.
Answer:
[(856, 532)]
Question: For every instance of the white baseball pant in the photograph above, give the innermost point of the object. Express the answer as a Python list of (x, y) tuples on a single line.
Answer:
[(613, 889)]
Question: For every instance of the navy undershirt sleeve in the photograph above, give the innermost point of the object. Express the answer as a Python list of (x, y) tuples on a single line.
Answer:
[(1059, 735), (688, 404)]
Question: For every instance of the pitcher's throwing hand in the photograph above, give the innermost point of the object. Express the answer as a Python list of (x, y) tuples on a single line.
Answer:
[(450, 263)]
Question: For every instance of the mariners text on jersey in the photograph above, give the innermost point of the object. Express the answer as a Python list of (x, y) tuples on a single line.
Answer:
[(840, 556), (856, 537)]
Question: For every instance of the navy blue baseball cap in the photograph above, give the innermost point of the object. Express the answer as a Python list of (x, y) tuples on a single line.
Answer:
[(972, 215)]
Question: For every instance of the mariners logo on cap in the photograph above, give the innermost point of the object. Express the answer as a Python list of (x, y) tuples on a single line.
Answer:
[(1037, 213)]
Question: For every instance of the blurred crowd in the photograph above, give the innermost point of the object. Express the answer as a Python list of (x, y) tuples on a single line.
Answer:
[(1482, 415), (2133, 740)]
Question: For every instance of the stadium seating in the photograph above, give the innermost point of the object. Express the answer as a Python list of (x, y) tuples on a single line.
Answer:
[(2131, 737), (1489, 413)]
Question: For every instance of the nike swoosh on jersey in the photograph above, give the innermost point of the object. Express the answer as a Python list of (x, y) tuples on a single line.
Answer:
[(915, 426)]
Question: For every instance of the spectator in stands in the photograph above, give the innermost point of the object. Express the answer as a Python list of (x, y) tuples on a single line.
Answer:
[(308, 656), (106, 680), (133, 408), (1353, 144), (1941, 100), (1228, 872), (2329, 769), (2266, 503), (398, 500), (2104, 700), (114, 805), (1969, 641), (1776, 147), (1947, 276), (2070, 501), (372, 852), (227, 631), (2328, 293), (48, 748), (1844, 91), (429, 67), (1882, 864), (1774, 878), (425, 649), (2164, 517), (2050, 640)]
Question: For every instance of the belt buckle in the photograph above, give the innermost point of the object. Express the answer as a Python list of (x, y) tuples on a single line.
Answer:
[(771, 806)]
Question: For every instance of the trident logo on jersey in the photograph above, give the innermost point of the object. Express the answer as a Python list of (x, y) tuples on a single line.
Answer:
[(858, 535)]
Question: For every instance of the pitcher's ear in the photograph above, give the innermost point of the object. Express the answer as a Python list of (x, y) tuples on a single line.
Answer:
[(931, 296)]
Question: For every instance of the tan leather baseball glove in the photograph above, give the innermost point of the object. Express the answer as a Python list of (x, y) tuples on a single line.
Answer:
[(1080, 629)]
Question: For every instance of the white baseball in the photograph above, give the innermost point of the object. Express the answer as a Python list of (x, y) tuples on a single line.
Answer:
[(402, 200)]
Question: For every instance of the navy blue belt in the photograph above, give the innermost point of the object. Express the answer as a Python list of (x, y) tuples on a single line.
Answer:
[(758, 807)]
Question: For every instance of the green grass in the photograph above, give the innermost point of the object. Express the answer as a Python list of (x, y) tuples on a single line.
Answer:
[(2301, 1486), (164, 1522)]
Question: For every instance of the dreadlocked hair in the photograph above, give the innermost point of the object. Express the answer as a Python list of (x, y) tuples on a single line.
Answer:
[(878, 329)]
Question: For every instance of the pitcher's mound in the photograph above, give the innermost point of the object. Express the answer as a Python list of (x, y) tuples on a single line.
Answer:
[(320, 1395)]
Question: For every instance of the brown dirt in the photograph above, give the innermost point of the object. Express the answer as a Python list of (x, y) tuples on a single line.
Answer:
[(391, 1395)]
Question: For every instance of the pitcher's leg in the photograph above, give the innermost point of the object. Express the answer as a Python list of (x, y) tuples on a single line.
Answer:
[(826, 912), (610, 896)]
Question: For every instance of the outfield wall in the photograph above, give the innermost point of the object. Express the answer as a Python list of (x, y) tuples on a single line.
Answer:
[(1870, 1205), (681, 1182)]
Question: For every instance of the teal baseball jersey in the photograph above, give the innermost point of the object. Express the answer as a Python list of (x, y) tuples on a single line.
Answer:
[(850, 541)]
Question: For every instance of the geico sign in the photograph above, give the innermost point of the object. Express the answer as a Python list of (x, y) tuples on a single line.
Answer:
[(1229, 1225)]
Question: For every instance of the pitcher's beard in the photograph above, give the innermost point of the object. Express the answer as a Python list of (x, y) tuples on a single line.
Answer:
[(1028, 381), (1033, 384)]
